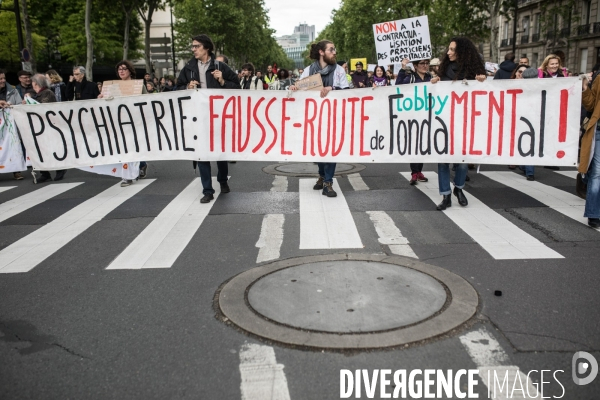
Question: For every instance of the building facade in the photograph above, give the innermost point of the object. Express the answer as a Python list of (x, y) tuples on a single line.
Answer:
[(295, 44), (545, 27)]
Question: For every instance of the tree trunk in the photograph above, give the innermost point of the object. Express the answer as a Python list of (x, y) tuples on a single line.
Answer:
[(90, 42), (152, 5), (27, 27), (127, 9), (126, 35), (494, 14)]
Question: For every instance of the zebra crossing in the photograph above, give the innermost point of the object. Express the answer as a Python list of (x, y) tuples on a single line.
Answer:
[(161, 243)]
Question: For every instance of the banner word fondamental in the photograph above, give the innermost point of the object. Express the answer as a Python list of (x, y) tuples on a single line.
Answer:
[(519, 122), (404, 38)]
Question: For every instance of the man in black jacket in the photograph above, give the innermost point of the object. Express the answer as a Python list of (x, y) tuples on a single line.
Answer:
[(506, 67), (203, 72), (80, 88)]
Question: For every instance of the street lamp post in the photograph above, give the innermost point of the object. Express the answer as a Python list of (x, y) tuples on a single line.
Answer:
[(514, 45)]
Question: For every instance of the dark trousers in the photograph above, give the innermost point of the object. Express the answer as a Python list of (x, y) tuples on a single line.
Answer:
[(47, 173), (416, 168), (205, 175)]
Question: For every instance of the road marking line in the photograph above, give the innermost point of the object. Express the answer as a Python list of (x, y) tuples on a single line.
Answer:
[(492, 362), (280, 184), (326, 222), (27, 253), (25, 202), (569, 174), (5, 188), (390, 235), (271, 237), (165, 238), (262, 377), (565, 203), (357, 182), (498, 236)]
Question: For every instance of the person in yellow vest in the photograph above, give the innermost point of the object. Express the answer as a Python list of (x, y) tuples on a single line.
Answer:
[(270, 76)]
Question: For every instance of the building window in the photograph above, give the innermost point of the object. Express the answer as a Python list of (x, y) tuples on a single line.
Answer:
[(586, 7), (535, 60), (505, 35), (526, 26), (584, 60)]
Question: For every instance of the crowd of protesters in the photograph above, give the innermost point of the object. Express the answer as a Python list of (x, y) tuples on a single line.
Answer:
[(461, 61)]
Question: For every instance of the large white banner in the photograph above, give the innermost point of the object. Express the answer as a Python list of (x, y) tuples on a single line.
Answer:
[(531, 122), (12, 158), (404, 38)]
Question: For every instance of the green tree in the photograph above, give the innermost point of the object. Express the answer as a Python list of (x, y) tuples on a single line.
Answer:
[(238, 28), (351, 26), (9, 43), (56, 25)]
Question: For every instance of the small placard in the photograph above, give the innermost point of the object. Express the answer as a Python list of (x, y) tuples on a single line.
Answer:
[(313, 82), (122, 88)]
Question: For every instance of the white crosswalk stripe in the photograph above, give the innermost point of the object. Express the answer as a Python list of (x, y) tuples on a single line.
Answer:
[(25, 202), (280, 184), (19, 257), (390, 235), (159, 245), (262, 377), (569, 174), (271, 238), (5, 188), (357, 182), (504, 381), (326, 222), (559, 200), (499, 237)]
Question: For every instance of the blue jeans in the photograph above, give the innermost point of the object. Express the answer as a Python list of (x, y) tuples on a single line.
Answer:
[(327, 170), (205, 176), (592, 202), (529, 169), (444, 177)]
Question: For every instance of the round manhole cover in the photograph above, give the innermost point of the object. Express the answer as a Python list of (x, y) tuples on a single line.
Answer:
[(347, 296), (347, 301), (310, 169)]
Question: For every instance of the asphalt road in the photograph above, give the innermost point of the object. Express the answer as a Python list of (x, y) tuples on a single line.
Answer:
[(72, 329)]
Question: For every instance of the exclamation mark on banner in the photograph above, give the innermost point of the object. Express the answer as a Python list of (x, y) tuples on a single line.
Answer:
[(562, 123)]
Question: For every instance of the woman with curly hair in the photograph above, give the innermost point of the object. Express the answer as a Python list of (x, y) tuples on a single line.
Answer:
[(462, 61)]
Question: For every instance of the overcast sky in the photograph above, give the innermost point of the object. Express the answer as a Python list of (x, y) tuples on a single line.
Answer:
[(285, 15)]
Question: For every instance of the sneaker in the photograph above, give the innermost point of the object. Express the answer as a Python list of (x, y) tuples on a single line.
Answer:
[(207, 198), (126, 182), (225, 187), (421, 177), (319, 184), (328, 190), (530, 178), (413, 179), (18, 176), (594, 222), (143, 171)]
